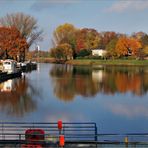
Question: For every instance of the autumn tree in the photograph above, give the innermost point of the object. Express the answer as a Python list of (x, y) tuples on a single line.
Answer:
[(145, 50), (144, 41), (12, 44), (65, 33), (79, 39), (127, 46), (122, 47), (87, 39), (92, 38), (136, 48), (110, 48), (62, 52), (26, 24), (138, 35), (106, 37)]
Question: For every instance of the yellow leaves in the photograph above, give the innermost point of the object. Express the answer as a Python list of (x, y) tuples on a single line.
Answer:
[(122, 46), (62, 51), (135, 45), (146, 50)]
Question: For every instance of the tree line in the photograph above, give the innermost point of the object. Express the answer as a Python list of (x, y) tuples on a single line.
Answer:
[(18, 32), (70, 42)]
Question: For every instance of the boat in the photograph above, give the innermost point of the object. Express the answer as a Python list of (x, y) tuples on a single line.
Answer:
[(10, 66), (9, 70)]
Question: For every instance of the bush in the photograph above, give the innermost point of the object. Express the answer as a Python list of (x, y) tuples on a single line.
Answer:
[(84, 53)]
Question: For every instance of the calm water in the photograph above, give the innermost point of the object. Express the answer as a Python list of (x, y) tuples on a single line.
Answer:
[(116, 98)]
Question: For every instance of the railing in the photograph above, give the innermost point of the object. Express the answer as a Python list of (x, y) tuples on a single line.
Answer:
[(75, 134), (124, 138), (15, 132)]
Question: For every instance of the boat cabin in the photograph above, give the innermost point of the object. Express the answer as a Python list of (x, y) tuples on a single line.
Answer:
[(9, 66)]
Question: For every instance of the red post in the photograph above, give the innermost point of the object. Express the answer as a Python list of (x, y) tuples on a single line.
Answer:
[(61, 140), (60, 126)]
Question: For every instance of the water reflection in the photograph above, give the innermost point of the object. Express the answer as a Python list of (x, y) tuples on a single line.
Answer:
[(16, 97), (128, 110), (69, 81)]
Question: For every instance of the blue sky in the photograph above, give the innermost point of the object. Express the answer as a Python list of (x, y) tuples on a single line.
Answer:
[(124, 16)]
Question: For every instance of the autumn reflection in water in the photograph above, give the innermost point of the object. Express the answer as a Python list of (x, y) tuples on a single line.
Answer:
[(16, 97), (69, 81)]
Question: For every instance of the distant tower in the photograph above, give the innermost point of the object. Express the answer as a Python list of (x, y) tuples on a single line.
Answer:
[(37, 47)]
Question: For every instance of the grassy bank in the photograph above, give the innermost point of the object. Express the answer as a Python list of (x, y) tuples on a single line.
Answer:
[(109, 62), (97, 62)]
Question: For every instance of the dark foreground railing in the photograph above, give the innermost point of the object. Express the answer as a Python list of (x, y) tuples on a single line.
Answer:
[(44, 134), (38, 134)]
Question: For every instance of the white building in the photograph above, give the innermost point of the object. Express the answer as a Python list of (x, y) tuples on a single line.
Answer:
[(98, 52)]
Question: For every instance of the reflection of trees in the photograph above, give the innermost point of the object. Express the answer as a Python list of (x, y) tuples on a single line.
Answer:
[(18, 101), (125, 79), (69, 80)]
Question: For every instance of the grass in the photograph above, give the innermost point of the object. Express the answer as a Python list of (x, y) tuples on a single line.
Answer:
[(120, 62), (109, 62)]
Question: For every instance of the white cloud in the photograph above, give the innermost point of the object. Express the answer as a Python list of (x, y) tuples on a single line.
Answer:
[(122, 6)]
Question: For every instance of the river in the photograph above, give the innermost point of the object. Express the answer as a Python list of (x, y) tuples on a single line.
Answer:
[(116, 98)]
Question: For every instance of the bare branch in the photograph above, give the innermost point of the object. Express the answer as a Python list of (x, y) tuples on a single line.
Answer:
[(26, 24)]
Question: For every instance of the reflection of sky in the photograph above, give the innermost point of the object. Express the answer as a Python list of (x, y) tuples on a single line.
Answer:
[(112, 113)]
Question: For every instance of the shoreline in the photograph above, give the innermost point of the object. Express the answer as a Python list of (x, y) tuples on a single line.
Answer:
[(87, 62), (109, 62)]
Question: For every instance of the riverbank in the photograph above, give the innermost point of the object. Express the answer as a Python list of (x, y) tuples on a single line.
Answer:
[(109, 62), (96, 62)]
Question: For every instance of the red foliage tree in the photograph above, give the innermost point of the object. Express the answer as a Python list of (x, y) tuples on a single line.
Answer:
[(12, 45)]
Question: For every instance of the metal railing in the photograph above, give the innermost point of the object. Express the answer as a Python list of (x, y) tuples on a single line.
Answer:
[(74, 134)]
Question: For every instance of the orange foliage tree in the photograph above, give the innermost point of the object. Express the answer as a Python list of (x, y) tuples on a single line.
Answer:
[(127, 46), (135, 45), (122, 46), (12, 45)]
